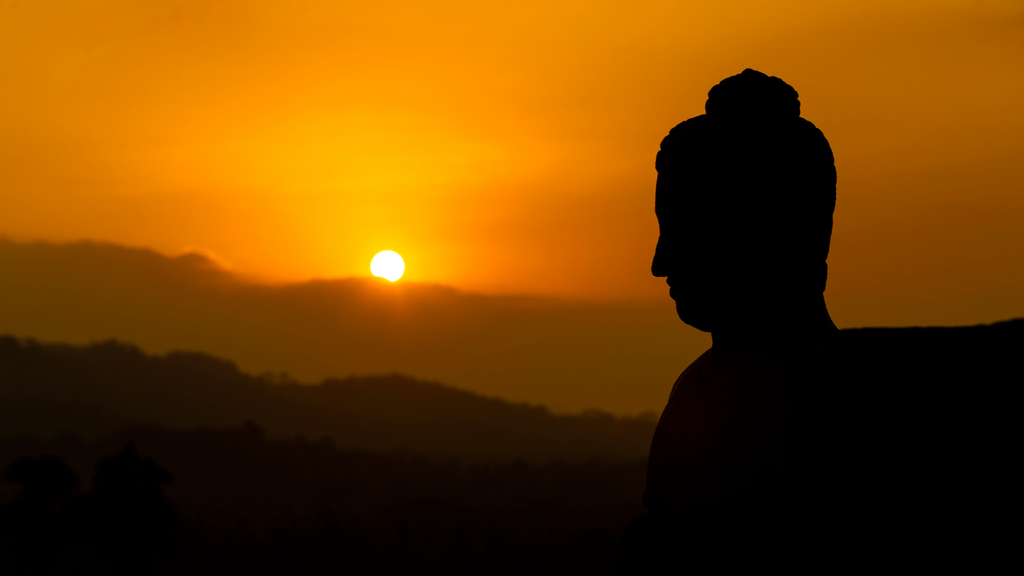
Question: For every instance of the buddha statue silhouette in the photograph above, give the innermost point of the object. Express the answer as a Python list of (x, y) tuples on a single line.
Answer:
[(791, 443)]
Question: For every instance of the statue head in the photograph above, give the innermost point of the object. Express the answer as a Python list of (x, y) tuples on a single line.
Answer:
[(744, 201)]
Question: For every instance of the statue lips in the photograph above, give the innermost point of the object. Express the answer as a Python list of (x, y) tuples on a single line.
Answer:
[(677, 288)]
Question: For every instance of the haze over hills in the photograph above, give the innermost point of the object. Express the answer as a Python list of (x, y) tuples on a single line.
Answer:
[(568, 356), (97, 390)]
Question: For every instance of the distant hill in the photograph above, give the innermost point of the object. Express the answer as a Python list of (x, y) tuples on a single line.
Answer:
[(569, 356), (94, 390)]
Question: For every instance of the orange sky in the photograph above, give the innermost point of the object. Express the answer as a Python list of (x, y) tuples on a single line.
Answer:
[(509, 148)]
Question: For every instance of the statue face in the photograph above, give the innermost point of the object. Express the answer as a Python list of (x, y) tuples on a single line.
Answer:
[(687, 258)]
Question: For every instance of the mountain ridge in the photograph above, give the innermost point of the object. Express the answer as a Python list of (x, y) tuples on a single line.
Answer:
[(569, 356), (94, 390)]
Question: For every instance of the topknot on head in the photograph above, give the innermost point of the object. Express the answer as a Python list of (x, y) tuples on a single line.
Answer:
[(753, 95)]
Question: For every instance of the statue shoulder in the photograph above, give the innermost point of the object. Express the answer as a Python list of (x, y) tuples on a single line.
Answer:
[(691, 375)]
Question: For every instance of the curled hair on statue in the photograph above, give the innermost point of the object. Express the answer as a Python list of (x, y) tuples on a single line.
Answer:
[(752, 95), (752, 170)]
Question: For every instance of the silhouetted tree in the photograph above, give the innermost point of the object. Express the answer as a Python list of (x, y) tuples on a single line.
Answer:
[(125, 524)]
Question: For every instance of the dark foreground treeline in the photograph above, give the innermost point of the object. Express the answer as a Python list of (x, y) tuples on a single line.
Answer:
[(149, 499), (91, 391)]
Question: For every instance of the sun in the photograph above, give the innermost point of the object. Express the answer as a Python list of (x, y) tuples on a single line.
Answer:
[(387, 264)]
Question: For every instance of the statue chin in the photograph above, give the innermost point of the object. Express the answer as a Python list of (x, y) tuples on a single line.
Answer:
[(694, 315)]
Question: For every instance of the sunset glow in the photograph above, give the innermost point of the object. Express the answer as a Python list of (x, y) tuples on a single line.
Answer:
[(512, 146)]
